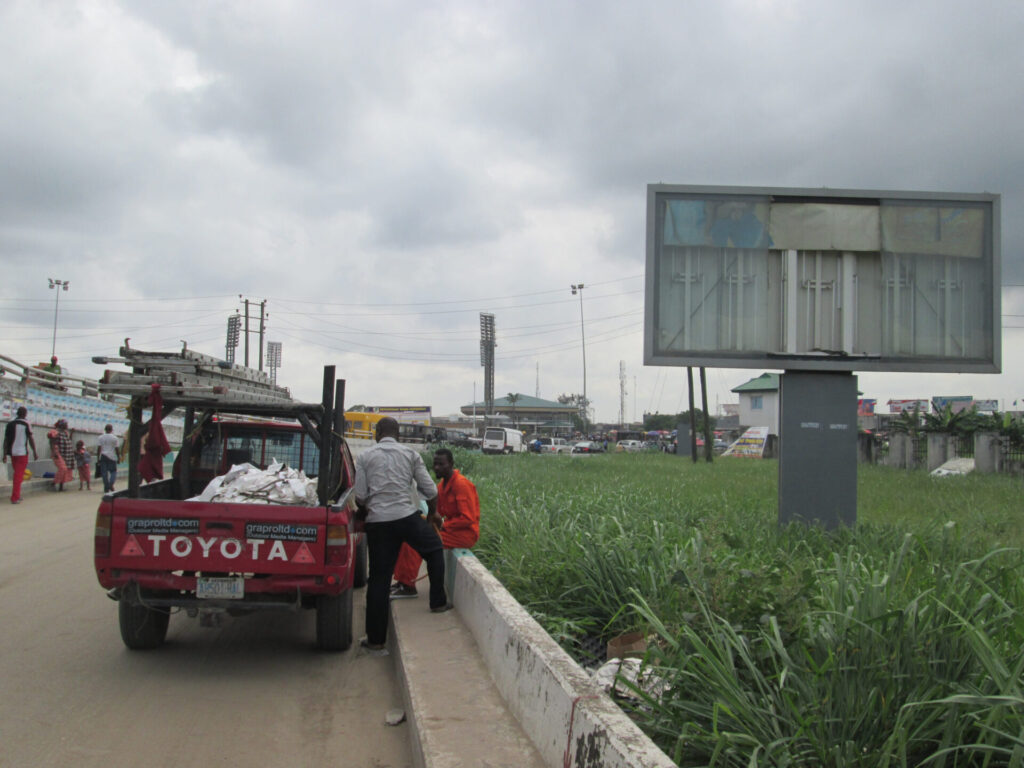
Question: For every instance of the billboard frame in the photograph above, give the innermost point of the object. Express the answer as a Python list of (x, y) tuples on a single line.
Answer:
[(989, 362)]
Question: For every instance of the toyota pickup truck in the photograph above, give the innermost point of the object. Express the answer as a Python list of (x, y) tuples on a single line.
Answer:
[(158, 553)]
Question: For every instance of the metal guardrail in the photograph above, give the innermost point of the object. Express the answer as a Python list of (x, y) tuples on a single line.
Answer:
[(39, 377)]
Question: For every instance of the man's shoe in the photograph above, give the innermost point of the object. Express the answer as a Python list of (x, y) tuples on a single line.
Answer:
[(402, 592), (372, 649), (442, 608)]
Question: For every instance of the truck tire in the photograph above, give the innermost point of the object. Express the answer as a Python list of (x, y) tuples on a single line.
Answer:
[(142, 628), (360, 575), (334, 621)]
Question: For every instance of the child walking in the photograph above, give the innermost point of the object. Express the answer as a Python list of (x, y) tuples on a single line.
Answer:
[(82, 462)]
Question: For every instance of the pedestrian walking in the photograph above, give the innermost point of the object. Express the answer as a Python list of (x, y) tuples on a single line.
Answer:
[(82, 463), (17, 440), (63, 454), (109, 448)]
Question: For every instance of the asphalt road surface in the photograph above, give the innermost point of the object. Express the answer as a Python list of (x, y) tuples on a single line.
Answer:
[(252, 692)]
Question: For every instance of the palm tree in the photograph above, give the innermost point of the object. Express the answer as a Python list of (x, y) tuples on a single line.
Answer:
[(512, 400)]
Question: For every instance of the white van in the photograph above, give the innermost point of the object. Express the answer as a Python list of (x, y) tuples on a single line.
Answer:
[(503, 440)]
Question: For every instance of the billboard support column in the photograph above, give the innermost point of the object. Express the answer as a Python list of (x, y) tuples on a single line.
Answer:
[(818, 448)]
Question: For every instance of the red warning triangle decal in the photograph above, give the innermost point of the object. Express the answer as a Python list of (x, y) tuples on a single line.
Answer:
[(132, 548), (303, 555)]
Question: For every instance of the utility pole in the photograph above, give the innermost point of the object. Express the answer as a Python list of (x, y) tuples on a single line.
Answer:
[(577, 288), (246, 332), (622, 393), (261, 332)]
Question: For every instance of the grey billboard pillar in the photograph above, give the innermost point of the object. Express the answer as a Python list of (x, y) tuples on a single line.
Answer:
[(818, 448), (683, 439)]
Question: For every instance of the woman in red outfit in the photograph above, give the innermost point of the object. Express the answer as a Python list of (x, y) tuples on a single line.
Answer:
[(458, 508), (62, 451)]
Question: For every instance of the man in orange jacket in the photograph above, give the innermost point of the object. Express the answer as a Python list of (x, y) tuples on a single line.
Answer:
[(459, 508)]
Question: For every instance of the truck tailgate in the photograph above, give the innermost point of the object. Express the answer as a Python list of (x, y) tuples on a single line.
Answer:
[(216, 537)]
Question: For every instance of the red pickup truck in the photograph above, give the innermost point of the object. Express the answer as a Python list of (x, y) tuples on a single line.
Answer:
[(157, 553)]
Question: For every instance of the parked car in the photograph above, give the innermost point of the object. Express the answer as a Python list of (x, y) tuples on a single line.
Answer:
[(628, 446), (554, 445), (462, 439), (587, 446)]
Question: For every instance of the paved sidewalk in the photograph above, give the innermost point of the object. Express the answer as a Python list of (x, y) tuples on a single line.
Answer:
[(456, 716)]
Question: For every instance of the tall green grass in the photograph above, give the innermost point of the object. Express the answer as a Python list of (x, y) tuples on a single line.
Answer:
[(896, 643)]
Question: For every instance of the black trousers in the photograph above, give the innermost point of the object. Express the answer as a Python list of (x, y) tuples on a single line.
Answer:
[(383, 542)]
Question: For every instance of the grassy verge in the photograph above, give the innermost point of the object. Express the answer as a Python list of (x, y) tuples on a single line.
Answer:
[(897, 643)]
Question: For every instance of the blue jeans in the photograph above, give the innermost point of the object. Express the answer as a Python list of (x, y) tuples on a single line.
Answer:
[(108, 471)]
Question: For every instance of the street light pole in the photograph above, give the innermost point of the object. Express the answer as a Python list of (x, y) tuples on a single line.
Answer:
[(578, 288), (58, 284)]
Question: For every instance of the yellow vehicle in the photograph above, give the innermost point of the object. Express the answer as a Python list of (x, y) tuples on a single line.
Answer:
[(359, 424)]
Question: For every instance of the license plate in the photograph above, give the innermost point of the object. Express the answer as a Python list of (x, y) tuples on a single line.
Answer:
[(220, 587)]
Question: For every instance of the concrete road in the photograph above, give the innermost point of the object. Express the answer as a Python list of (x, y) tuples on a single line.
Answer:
[(253, 692)]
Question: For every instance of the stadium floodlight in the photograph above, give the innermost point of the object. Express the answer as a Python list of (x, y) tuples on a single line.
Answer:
[(234, 331)]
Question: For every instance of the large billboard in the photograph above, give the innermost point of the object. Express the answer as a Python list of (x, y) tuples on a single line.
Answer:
[(822, 279)]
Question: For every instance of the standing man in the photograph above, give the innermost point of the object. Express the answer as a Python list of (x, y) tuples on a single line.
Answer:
[(109, 448), (385, 475), (458, 506), (17, 440)]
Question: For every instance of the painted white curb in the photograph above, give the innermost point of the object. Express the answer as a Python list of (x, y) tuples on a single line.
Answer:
[(569, 719)]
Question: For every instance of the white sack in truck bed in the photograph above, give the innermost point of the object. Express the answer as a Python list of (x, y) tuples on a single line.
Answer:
[(246, 484)]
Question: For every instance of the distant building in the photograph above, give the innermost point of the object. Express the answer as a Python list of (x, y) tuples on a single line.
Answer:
[(528, 413), (759, 402)]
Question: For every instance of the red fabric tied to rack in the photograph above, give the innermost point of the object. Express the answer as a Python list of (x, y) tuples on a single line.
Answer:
[(155, 447)]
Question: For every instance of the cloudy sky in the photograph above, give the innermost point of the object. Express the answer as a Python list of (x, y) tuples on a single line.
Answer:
[(381, 173)]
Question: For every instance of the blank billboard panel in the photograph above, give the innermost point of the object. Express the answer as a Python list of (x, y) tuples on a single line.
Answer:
[(839, 280)]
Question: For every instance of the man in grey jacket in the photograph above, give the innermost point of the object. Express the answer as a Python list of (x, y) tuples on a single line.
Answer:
[(385, 475)]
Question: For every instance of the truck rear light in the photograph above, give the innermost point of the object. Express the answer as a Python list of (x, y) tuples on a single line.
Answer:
[(101, 539), (337, 545)]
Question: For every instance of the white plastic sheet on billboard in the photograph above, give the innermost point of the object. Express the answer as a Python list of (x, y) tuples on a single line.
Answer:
[(933, 230), (824, 227)]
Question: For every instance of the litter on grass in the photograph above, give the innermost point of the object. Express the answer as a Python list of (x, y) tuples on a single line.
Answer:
[(612, 674), (246, 484)]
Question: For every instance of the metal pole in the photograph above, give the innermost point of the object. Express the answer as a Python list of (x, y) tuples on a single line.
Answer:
[(693, 417), (263, 304), (53, 347), (578, 288), (246, 333), (58, 285), (326, 423), (707, 422)]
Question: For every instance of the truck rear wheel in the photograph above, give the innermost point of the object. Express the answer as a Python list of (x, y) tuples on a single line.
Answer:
[(359, 577), (142, 628), (334, 621)]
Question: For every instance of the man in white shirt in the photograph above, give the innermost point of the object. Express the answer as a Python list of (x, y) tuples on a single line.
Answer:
[(385, 475), (17, 440), (109, 448)]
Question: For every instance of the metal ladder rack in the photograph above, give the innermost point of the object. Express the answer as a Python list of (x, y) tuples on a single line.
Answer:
[(190, 376)]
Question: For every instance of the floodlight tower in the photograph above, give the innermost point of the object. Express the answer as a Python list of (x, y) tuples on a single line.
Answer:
[(59, 285), (273, 359), (234, 330), (487, 345)]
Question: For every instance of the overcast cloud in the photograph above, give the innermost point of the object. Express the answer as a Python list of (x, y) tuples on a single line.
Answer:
[(380, 173)]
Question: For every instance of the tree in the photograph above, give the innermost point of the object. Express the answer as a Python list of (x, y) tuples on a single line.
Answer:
[(668, 422), (513, 398), (581, 403)]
